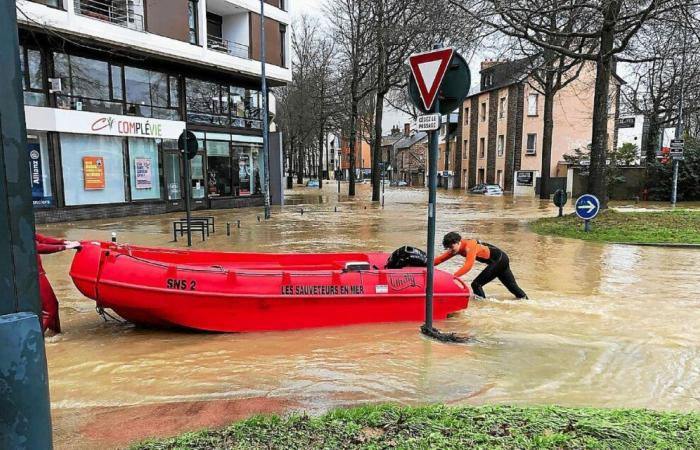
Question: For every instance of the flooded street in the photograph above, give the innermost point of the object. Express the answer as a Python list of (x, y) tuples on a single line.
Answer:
[(606, 325)]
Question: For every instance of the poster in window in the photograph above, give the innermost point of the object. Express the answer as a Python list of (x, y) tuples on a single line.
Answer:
[(143, 173), (524, 178), (94, 173), (37, 177), (244, 173)]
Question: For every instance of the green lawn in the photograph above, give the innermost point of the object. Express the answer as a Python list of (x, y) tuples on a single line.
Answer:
[(440, 427), (676, 227)]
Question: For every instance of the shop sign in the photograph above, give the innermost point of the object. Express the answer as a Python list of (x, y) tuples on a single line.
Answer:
[(85, 122), (94, 173), (524, 178), (37, 177), (143, 173)]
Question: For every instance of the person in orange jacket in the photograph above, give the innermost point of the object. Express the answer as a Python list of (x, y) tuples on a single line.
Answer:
[(49, 303), (498, 264)]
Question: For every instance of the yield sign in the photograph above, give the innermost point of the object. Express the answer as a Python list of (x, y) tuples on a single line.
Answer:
[(428, 70)]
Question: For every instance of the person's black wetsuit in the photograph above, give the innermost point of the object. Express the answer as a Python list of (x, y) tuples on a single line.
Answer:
[(498, 266)]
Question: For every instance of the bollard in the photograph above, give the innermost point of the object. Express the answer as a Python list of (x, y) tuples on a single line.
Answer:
[(302, 211), (228, 228), (239, 223), (114, 237), (258, 218), (335, 209)]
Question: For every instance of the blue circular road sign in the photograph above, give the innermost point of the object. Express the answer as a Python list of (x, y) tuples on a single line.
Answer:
[(587, 206)]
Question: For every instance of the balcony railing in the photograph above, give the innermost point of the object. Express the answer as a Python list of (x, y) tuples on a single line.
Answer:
[(124, 13), (226, 46)]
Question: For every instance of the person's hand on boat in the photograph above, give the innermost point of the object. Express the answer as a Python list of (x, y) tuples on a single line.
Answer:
[(72, 244)]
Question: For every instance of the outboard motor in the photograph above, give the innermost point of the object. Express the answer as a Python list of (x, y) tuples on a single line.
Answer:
[(407, 257)]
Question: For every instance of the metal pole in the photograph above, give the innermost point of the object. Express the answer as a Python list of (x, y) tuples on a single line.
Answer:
[(432, 196), (383, 178), (266, 143), (679, 124), (25, 416), (188, 186)]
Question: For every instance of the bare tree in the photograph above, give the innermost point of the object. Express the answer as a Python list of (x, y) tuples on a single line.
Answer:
[(611, 24), (351, 22)]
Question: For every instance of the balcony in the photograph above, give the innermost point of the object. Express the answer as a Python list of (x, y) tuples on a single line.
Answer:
[(225, 46), (125, 13)]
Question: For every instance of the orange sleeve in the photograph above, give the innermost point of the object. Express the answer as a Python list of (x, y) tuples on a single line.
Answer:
[(442, 258), (468, 259)]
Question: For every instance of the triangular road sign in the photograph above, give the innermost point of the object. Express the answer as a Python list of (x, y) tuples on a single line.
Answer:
[(429, 70)]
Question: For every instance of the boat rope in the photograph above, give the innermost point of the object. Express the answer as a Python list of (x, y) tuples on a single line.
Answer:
[(106, 316)]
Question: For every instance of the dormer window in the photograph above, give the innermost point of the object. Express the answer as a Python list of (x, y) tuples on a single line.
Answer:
[(488, 79)]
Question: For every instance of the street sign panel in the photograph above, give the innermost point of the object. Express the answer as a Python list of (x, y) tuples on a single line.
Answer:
[(677, 144), (587, 206), (428, 122), (428, 70)]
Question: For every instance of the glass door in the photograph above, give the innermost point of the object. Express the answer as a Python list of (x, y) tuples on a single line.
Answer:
[(173, 177)]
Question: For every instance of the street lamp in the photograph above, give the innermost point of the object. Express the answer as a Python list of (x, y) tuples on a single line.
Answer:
[(266, 143)]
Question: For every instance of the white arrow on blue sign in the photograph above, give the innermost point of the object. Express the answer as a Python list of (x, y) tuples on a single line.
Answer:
[(587, 206)]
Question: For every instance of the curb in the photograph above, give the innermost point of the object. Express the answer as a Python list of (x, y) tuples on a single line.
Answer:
[(657, 244)]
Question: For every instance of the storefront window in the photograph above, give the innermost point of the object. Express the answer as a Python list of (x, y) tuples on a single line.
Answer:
[(219, 168), (144, 169), (93, 169), (32, 77), (197, 175), (248, 163), (39, 169), (172, 175), (204, 103), (222, 105)]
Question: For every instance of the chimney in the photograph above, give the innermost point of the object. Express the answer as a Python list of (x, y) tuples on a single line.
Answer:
[(407, 129), (488, 63)]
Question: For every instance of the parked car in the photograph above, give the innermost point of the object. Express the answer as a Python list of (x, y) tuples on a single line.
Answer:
[(493, 190), (478, 189), (312, 183)]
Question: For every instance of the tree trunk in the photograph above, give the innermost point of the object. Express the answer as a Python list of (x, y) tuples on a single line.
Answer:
[(320, 158), (300, 165), (351, 143), (652, 141), (597, 184), (379, 102), (546, 169)]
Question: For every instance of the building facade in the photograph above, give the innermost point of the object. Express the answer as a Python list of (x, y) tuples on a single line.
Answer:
[(501, 126), (109, 86)]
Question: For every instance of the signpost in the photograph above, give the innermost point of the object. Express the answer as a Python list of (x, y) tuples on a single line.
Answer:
[(587, 207), (188, 145), (560, 199), (439, 83)]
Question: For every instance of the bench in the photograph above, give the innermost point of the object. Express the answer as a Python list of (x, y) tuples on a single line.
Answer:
[(209, 220), (195, 225)]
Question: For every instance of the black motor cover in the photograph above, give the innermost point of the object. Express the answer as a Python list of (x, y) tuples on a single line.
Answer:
[(407, 257)]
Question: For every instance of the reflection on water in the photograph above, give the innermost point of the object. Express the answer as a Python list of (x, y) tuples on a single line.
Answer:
[(607, 325)]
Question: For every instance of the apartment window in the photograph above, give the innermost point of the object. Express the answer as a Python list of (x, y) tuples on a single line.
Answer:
[(148, 94), (32, 76), (482, 148), (466, 116), (499, 177), (87, 84), (465, 149), (211, 103), (532, 104), (283, 46), (502, 108), (501, 144), (51, 3), (192, 19), (483, 112), (531, 144)]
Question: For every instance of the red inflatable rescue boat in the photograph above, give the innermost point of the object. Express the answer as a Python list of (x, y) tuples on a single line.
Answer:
[(237, 292)]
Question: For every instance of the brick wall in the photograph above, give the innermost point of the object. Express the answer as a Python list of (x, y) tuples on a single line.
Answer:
[(491, 140), (512, 137), (457, 184), (473, 138)]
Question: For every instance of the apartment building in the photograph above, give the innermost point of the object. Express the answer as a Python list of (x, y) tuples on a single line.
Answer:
[(501, 126), (109, 86)]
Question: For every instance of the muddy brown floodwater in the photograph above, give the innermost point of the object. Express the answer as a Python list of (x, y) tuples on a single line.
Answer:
[(606, 325)]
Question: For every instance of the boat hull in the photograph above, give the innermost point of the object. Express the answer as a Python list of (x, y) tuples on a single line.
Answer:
[(237, 292)]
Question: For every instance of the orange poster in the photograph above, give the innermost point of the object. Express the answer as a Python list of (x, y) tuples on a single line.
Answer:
[(94, 172)]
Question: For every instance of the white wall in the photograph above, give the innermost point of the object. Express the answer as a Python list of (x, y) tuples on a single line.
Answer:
[(236, 28), (632, 135)]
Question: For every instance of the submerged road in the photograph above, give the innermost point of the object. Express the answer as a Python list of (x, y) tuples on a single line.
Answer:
[(606, 325)]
